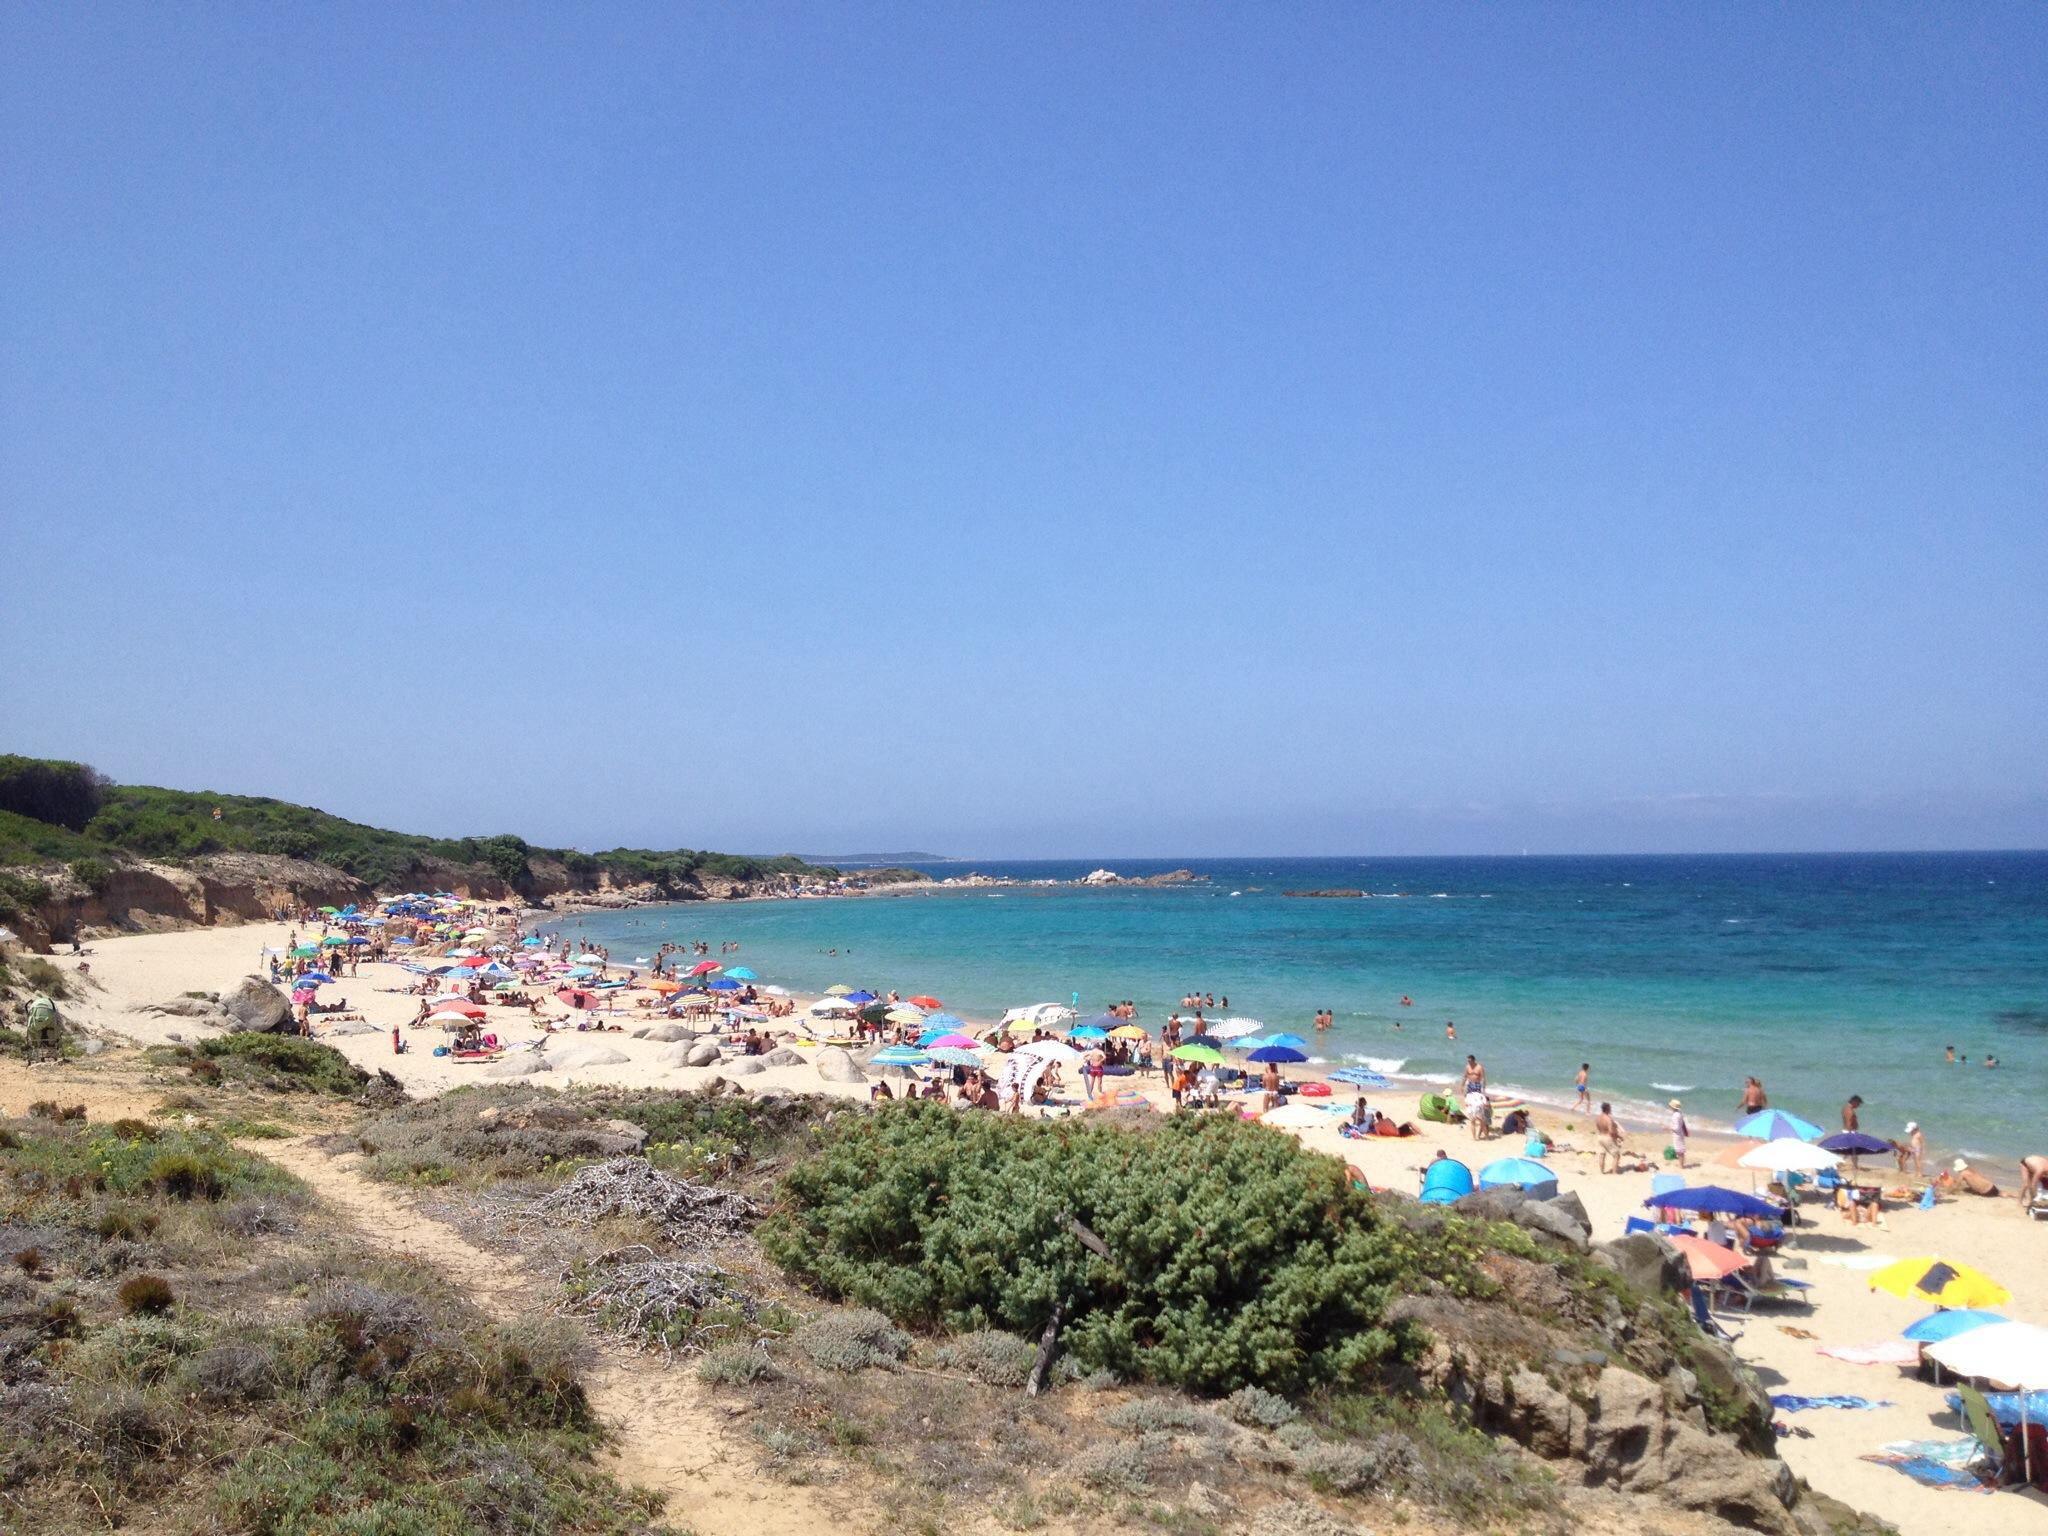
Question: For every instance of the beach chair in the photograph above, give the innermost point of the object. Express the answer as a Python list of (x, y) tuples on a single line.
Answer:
[(1736, 1290), (1703, 1314), (1977, 1416)]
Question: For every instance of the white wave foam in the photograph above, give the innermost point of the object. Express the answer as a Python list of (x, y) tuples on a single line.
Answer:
[(1675, 1087), (1386, 1066), (1431, 1077)]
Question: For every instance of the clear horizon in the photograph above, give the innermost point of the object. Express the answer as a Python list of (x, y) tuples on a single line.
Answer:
[(1447, 431)]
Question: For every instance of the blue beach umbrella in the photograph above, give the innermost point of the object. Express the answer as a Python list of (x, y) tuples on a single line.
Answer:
[(358, 939), (1292, 1042), (313, 979), (532, 941), (723, 984), (1936, 1326), (898, 1056), (957, 1056), (1276, 1053), (1088, 1032), (401, 939), (1523, 1173), (579, 973), (1713, 1200), (1444, 1181), (1853, 1143), (741, 973), (1776, 1125), (945, 1021), (1102, 1021), (1359, 1077), (858, 997)]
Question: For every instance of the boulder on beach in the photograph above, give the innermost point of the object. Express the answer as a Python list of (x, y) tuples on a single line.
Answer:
[(746, 1066), (667, 1032), (702, 1054), (1563, 1220), (1647, 1262), (783, 1056), (256, 1007), (577, 1057), (350, 1027), (525, 1064), (835, 1066)]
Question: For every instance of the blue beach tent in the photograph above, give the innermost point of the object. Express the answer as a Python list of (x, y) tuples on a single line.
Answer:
[(1445, 1181), (1523, 1173)]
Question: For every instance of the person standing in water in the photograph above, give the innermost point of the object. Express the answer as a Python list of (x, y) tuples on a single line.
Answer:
[(1584, 1100), (1753, 1096)]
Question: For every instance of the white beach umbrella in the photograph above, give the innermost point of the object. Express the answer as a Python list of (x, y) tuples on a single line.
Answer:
[(1788, 1156), (1234, 1029), (2010, 1355), (1051, 1050), (832, 1005)]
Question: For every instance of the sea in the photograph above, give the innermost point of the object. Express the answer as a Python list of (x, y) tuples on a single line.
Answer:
[(1672, 976)]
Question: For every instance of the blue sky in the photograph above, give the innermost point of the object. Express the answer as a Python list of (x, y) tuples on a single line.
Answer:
[(1038, 430)]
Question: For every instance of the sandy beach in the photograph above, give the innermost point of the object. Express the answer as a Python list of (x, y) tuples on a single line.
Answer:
[(129, 974)]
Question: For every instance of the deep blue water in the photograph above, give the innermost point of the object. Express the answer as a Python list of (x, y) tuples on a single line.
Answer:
[(1823, 974)]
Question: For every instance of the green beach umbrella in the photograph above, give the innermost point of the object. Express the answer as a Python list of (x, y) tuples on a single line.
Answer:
[(1203, 1053), (305, 952), (841, 990)]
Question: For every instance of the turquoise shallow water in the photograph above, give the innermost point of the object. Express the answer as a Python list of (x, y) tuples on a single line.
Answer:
[(1825, 975)]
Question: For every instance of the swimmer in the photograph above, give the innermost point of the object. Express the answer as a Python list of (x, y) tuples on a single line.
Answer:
[(1450, 1029), (1407, 1001)]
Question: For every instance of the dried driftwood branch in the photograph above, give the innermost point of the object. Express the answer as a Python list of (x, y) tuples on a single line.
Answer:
[(656, 1301)]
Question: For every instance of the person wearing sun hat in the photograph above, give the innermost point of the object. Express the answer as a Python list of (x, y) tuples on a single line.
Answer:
[(1914, 1147), (1680, 1132)]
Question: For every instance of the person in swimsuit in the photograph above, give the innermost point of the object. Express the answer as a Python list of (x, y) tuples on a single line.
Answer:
[(1584, 1100)]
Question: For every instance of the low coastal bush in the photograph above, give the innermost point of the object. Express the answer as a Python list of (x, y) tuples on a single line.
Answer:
[(1233, 1257), (852, 1341), (283, 1064)]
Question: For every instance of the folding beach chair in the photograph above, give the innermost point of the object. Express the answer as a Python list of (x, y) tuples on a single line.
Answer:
[(1703, 1314), (1977, 1415), (1735, 1290)]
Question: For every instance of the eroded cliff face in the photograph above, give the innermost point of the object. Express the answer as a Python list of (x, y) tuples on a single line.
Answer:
[(246, 887)]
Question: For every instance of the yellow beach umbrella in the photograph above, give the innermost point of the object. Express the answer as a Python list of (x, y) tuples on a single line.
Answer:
[(1127, 1032), (1939, 1282)]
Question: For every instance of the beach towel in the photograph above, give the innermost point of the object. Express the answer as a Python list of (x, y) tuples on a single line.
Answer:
[(1857, 1260), (1934, 1474), (1955, 1453), (1792, 1402), (1890, 1352)]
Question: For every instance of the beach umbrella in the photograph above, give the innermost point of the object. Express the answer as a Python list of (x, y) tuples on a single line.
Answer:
[(1731, 1155), (1944, 1284), (1233, 1029), (358, 940), (1787, 1156), (742, 973), (476, 962), (932, 1037), (460, 954), (1202, 1053), (1359, 1077), (1854, 1143), (1127, 1032), (532, 940), (1523, 1173), (832, 1005), (587, 958), (2012, 1355), (945, 1021), (1053, 1051), (957, 1056), (898, 1056), (1102, 1021), (1445, 1180), (1707, 1261), (840, 989), (1294, 1116), (859, 997), (1936, 1326), (924, 1002), (659, 985), (464, 1007), (402, 939), (1292, 1042), (1120, 1098), (1712, 1200), (505, 986), (1276, 1053), (579, 973), (312, 978), (1088, 1032), (330, 911), (902, 1015), (305, 951), (1775, 1124), (576, 997), (951, 1041), (723, 984)]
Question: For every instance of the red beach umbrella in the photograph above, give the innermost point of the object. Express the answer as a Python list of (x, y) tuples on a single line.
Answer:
[(926, 1002), (705, 967)]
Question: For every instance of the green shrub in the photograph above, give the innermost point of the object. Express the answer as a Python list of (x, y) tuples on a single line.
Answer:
[(186, 1176), (91, 873), (285, 1063), (45, 789), (39, 975), (1236, 1256)]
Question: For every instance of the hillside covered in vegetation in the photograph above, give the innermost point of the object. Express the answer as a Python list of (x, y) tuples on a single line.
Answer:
[(55, 813)]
